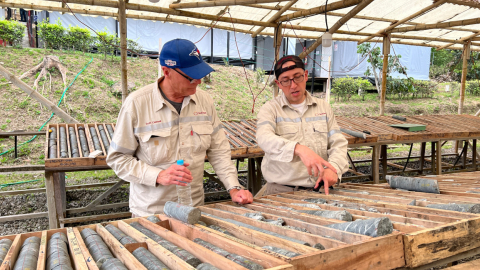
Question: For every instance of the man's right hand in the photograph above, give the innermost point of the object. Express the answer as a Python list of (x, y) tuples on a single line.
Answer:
[(175, 175), (312, 161)]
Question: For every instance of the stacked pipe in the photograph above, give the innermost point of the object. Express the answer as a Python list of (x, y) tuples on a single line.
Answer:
[(73, 142), (103, 135), (231, 256), (5, 245), (179, 252), (83, 141), (57, 253), (52, 143), (110, 131), (100, 252), (144, 256), (28, 256), (63, 143), (96, 142)]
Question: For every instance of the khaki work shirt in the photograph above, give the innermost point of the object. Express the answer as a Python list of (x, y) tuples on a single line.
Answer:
[(150, 136), (280, 127)]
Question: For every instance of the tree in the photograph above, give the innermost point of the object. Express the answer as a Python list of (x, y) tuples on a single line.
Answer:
[(52, 34), (375, 59), (106, 43), (79, 38), (12, 32)]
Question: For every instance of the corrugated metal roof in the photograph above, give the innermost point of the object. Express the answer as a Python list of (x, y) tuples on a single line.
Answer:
[(354, 29)]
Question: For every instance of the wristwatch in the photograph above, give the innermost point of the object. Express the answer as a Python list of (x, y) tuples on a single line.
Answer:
[(236, 187)]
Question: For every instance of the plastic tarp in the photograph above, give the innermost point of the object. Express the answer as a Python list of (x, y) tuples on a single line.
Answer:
[(2, 13), (347, 62), (148, 33)]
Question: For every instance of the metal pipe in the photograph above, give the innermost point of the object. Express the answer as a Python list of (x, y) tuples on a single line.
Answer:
[(73, 142)]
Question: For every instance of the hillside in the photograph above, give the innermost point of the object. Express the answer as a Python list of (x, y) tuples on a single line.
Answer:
[(90, 98)]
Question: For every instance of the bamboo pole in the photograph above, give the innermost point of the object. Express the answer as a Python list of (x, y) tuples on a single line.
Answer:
[(416, 14), (461, 40), (275, 16), (465, 56), (361, 17), (122, 20), (420, 27), (37, 96), (218, 3), (337, 25), (320, 9), (386, 52), (187, 21), (277, 44), (465, 3)]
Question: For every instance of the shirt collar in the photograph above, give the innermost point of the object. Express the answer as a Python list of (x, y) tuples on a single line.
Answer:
[(308, 100), (158, 96)]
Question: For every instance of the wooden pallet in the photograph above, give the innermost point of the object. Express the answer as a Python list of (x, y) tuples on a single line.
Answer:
[(456, 232), (78, 162), (76, 255), (179, 234)]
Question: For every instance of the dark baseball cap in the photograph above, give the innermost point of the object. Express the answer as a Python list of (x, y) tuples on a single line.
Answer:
[(184, 55), (288, 58)]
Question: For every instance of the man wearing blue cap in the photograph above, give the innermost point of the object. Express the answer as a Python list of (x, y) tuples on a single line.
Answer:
[(166, 121)]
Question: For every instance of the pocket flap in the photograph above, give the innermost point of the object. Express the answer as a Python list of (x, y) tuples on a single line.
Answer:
[(202, 129), (320, 127), (287, 129), (145, 137)]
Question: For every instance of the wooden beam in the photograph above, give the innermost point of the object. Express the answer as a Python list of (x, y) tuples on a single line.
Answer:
[(420, 27), (461, 40), (465, 57), (218, 3), (275, 16), (52, 210), (122, 21), (414, 15), (320, 9), (465, 3), (37, 96), (386, 52), (337, 25)]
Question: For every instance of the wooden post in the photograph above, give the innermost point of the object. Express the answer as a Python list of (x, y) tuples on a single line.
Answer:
[(438, 158), (251, 174), (433, 158), (277, 38), (50, 191), (375, 164), (422, 156), (257, 185), (465, 152), (60, 195), (122, 20), (474, 154), (384, 161), (160, 46), (465, 56), (386, 52)]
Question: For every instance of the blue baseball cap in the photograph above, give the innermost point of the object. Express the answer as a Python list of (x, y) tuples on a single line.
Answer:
[(184, 55)]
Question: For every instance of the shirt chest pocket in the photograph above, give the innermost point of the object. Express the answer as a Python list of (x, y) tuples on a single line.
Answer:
[(288, 131), (156, 145), (202, 137), (320, 134)]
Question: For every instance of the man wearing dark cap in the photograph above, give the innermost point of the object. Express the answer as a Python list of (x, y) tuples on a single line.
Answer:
[(167, 121), (303, 145)]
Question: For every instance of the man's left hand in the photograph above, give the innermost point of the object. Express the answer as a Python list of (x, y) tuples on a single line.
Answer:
[(329, 179), (241, 196)]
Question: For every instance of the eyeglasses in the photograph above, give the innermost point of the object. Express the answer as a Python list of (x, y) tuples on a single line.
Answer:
[(296, 79), (192, 81)]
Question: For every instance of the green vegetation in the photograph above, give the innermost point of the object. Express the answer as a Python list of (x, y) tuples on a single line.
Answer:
[(12, 31)]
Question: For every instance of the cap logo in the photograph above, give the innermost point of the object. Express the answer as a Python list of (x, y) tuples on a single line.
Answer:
[(195, 52), (170, 63)]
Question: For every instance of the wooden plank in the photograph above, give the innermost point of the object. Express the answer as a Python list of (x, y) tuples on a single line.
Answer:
[(475, 264), (229, 244), (100, 198), (23, 168), (24, 216), (88, 259), (42, 253), (96, 217), (375, 164), (75, 251), (427, 246), (118, 250), (9, 260), (60, 194), (51, 206), (133, 246)]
